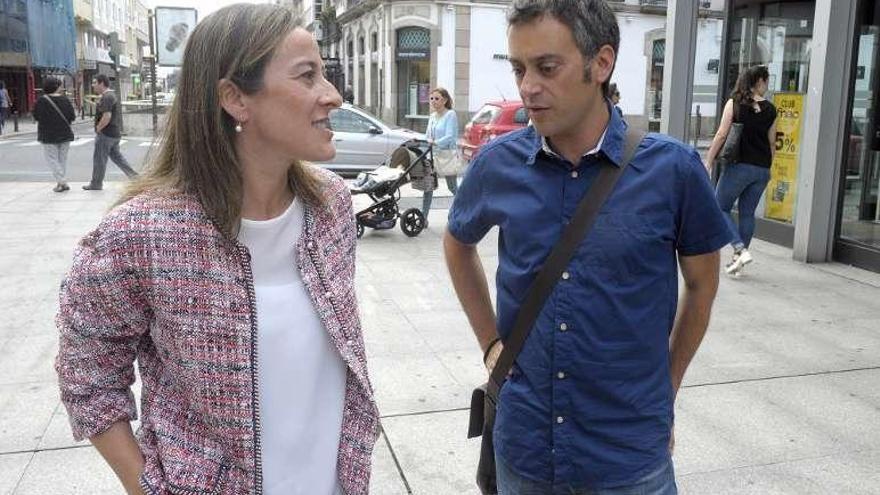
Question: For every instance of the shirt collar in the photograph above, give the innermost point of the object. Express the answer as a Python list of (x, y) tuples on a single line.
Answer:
[(610, 143)]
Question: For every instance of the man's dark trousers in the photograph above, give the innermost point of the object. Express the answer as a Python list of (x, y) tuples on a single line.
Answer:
[(108, 147)]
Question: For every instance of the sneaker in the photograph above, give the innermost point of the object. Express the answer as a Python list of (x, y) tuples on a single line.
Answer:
[(61, 188), (91, 187), (739, 260)]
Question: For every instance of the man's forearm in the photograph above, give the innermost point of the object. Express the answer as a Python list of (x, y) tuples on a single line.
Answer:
[(691, 323), (119, 448), (104, 122), (469, 281)]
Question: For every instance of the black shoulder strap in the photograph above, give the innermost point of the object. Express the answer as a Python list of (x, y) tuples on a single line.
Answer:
[(558, 259)]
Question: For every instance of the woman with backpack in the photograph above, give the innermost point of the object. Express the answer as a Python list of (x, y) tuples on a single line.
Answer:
[(54, 114), (745, 180)]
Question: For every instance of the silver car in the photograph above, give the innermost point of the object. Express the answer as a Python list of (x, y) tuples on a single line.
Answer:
[(363, 142)]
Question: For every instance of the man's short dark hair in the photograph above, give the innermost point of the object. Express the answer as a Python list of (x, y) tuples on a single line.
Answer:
[(51, 85), (103, 79), (592, 23)]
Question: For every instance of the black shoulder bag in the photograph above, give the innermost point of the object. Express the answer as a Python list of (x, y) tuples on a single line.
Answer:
[(484, 399)]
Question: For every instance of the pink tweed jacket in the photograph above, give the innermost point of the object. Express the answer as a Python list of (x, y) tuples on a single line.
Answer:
[(159, 284)]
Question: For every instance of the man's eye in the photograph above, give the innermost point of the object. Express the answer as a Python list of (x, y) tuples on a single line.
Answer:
[(547, 69)]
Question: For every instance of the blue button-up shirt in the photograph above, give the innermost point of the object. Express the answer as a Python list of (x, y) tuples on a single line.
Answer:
[(589, 402)]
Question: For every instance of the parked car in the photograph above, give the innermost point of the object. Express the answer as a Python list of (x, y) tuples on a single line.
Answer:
[(492, 120), (363, 142)]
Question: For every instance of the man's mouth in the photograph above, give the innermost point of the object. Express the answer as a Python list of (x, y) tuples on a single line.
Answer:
[(323, 124)]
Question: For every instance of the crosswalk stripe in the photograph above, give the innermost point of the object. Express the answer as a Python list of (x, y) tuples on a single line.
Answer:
[(82, 141), (123, 141), (145, 144), (29, 143)]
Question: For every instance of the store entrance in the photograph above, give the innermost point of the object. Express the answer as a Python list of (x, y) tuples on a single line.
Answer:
[(779, 35), (858, 239)]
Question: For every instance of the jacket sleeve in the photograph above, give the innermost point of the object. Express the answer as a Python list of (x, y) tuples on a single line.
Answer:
[(38, 110), (69, 112), (102, 317)]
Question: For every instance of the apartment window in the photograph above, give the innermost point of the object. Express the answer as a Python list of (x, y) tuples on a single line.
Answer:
[(361, 45), (374, 42), (319, 8)]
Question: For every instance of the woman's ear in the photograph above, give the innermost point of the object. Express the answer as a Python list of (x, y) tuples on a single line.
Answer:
[(232, 101)]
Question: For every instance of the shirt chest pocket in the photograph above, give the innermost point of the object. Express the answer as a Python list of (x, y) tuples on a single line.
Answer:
[(623, 246)]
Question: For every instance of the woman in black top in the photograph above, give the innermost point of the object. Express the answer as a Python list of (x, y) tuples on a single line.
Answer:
[(744, 182), (53, 114)]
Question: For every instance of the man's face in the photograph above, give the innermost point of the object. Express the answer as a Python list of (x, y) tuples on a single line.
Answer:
[(551, 75), (97, 87)]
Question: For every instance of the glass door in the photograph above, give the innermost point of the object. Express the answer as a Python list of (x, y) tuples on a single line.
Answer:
[(859, 212), (779, 35)]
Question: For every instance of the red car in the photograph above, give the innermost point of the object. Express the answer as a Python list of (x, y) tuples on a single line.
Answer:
[(493, 120)]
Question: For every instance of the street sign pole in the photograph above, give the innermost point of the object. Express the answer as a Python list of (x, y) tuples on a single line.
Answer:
[(153, 71)]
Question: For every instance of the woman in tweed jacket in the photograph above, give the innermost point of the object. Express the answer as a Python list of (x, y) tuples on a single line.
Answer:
[(253, 371)]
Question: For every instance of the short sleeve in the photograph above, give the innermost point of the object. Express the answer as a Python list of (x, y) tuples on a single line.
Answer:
[(702, 227), (467, 218), (106, 102)]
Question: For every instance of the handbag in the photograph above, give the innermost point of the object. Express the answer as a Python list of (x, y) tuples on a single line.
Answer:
[(731, 150), (484, 399), (447, 163)]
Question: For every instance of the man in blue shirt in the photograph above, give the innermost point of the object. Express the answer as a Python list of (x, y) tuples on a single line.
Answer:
[(588, 406)]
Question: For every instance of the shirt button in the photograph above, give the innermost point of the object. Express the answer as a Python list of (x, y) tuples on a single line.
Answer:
[(574, 174), (561, 375), (563, 327), (560, 419), (565, 276)]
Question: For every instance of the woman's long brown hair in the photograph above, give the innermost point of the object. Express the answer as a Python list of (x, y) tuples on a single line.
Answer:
[(196, 152)]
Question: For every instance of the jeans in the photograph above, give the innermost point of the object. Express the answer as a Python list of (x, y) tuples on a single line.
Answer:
[(428, 197), (744, 184), (659, 482), (4, 113), (56, 157), (108, 147)]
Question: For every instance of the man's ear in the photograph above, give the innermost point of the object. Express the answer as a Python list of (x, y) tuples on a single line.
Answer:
[(232, 101), (603, 64)]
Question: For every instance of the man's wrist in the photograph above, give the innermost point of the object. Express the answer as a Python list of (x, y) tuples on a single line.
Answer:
[(489, 348)]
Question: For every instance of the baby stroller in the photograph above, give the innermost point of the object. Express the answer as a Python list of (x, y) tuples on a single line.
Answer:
[(413, 160)]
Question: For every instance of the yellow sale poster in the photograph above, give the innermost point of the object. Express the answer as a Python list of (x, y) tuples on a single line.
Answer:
[(779, 201)]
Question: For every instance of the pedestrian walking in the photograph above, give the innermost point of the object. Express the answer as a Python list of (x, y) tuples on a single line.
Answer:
[(54, 113), (614, 96), (107, 135), (744, 181), (227, 273), (587, 405), (442, 133), (348, 95), (5, 105)]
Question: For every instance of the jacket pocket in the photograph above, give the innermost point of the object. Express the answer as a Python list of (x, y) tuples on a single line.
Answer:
[(180, 472), (203, 476)]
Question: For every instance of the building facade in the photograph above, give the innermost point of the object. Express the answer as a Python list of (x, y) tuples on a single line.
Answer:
[(823, 57), (824, 62), (36, 41)]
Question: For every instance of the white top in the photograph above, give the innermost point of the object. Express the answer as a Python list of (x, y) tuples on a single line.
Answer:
[(301, 375)]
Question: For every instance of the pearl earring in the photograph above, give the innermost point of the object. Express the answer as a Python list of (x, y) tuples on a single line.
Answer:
[(237, 126)]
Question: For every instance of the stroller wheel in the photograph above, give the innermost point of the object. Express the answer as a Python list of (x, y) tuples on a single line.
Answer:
[(360, 229), (413, 222)]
